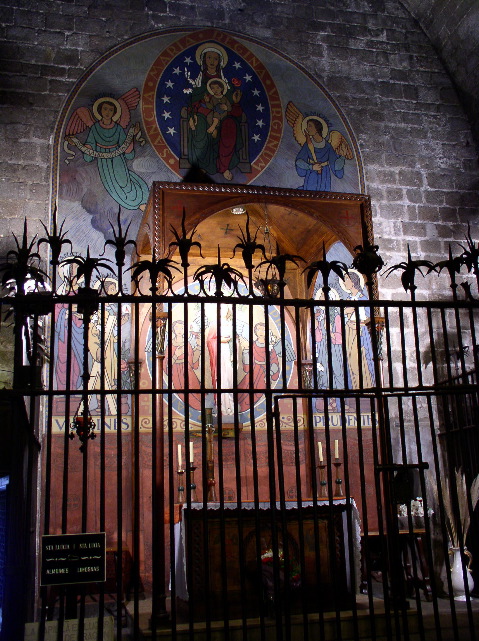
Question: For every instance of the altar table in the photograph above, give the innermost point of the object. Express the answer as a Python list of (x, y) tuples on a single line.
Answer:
[(217, 548)]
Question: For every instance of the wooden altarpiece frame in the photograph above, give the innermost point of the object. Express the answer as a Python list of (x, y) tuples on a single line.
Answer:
[(301, 221)]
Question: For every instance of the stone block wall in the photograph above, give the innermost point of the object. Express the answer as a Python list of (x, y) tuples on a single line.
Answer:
[(420, 161)]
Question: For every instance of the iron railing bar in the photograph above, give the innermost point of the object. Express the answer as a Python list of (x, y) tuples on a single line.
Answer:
[(254, 452), (172, 481), (154, 465), (414, 551), (445, 335), (414, 310), (427, 524), (443, 388), (102, 484), (298, 479), (365, 551), (331, 522), (393, 588), (404, 352), (396, 541), (272, 463), (278, 589), (66, 441), (390, 368), (258, 301), (443, 519), (136, 398), (432, 343), (220, 355), (316, 499), (315, 340), (119, 442), (206, 490), (239, 494), (359, 346), (349, 508), (45, 500), (282, 339), (460, 346), (378, 448)]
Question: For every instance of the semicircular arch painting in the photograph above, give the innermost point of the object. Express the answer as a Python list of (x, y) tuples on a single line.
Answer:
[(228, 106)]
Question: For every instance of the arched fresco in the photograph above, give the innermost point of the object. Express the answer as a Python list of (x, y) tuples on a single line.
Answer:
[(163, 102)]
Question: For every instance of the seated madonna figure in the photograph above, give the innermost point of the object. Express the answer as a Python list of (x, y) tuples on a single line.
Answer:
[(214, 115)]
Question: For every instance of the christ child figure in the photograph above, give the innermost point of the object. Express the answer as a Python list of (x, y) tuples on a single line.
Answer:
[(218, 104)]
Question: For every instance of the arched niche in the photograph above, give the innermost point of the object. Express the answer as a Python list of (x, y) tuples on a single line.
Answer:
[(301, 222)]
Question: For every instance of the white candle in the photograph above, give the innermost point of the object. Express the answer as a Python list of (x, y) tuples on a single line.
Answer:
[(191, 452), (320, 451), (180, 462), (336, 449)]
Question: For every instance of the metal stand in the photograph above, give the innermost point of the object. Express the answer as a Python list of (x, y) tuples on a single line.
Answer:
[(322, 481), (181, 487), (194, 497), (338, 492), (210, 456)]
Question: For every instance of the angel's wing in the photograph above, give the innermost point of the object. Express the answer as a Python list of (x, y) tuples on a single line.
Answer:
[(80, 120), (340, 145), (295, 119), (128, 101)]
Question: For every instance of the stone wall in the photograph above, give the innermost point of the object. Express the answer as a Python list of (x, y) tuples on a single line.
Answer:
[(420, 162)]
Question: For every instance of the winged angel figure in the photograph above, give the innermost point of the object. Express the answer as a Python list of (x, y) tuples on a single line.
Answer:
[(111, 146), (322, 151)]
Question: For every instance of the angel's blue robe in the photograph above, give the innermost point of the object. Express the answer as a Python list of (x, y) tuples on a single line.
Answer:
[(129, 190), (313, 180)]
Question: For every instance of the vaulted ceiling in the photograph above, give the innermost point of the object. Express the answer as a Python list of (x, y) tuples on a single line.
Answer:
[(453, 28)]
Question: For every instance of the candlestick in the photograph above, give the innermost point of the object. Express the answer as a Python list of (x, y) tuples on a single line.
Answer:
[(322, 481), (210, 458), (320, 451), (194, 496), (336, 449), (191, 452), (180, 461), (181, 487), (338, 492)]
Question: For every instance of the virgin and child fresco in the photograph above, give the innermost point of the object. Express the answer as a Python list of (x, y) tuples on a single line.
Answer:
[(216, 108), (165, 102)]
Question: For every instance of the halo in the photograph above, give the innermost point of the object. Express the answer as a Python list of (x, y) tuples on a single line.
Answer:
[(321, 120), (225, 86), (361, 281), (333, 294), (97, 105), (211, 46), (103, 282)]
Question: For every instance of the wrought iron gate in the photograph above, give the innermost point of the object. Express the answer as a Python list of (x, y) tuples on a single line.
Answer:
[(262, 467)]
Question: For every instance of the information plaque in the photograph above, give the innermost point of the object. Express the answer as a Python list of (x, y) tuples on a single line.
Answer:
[(73, 558)]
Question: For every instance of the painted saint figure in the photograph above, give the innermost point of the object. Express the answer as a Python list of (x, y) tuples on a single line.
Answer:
[(184, 364), (223, 361), (360, 361), (214, 147), (255, 359), (103, 346), (320, 156), (111, 146), (63, 350)]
